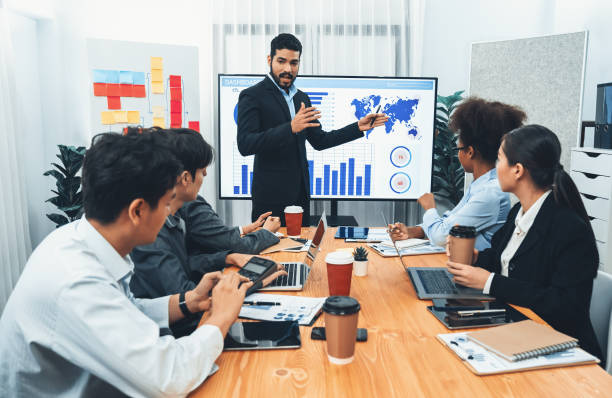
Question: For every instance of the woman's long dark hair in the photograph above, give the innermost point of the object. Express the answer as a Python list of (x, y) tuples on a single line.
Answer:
[(538, 150)]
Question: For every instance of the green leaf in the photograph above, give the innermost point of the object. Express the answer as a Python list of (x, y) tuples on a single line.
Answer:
[(57, 219), (71, 211), (58, 176), (60, 168)]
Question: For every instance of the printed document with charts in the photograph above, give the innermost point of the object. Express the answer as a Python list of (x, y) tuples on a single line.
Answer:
[(289, 308)]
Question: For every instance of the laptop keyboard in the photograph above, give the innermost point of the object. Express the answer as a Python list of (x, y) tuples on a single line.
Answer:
[(436, 282), (293, 269)]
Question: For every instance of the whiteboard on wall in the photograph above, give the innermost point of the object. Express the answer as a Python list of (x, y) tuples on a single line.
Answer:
[(142, 84), (543, 75)]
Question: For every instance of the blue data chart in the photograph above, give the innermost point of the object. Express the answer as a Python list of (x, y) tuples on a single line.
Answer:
[(242, 174), (400, 156), (400, 182), (345, 171)]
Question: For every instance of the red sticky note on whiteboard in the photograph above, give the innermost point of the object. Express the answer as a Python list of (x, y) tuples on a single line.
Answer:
[(175, 81), (176, 119), (99, 89), (113, 90), (176, 93), (126, 90), (176, 106), (194, 125), (138, 90), (113, 102)]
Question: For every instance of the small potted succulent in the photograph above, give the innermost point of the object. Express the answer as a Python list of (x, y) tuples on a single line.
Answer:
[(360, 261)]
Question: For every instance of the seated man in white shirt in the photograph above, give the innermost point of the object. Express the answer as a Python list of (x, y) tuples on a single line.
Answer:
[(72, 327)]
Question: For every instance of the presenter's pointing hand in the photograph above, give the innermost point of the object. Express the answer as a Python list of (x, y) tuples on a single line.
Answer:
[(305, 118), (372, 120)]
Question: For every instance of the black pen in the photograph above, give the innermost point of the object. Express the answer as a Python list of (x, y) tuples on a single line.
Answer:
[(260, 303), (372, 122)]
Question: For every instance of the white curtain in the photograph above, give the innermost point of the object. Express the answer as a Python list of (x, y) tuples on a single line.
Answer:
[(15, 246), (341, 37)]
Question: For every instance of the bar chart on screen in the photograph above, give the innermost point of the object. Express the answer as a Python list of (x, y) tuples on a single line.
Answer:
[(242, 176), (342, 172)]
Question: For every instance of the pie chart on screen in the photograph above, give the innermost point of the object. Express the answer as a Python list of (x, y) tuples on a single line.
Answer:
[(400, 156), (400, 182)]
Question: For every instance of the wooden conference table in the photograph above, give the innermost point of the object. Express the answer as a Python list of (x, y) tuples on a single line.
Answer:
[(401, 358)]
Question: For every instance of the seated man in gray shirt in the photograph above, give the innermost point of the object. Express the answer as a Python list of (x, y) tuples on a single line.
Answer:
[(165, 267), (206, 232), (72, 328)]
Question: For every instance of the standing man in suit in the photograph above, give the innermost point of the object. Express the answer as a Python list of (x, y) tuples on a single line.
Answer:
[(274, 121)]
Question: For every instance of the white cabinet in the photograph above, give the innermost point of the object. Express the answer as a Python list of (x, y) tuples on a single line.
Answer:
[(591, 170)]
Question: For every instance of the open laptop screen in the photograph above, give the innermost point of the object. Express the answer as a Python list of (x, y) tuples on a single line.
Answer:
[(316, 241)]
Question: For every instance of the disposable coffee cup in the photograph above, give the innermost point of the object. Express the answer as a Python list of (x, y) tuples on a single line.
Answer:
[(461, 244), (341, 316), (339, 272), (293, 220)]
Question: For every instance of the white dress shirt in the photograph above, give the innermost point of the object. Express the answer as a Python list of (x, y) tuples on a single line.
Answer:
[(523, 223), (72, 328)]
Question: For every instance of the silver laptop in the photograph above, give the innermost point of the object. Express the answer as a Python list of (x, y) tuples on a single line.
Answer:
[(297, 273), (437, 282)]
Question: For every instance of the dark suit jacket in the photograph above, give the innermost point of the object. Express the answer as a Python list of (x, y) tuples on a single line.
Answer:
[(552, 271), (206, 232), (264, 130)]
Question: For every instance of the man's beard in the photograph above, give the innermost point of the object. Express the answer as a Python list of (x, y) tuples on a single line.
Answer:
[(283, 74)]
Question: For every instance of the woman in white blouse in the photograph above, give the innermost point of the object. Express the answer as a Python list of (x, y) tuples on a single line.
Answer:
[(544, 257)]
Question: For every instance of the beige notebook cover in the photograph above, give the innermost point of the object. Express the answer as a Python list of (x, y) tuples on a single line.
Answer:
[(522, 340), (285, 243)]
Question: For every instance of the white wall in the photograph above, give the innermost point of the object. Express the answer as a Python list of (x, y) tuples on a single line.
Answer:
[(596, 17), (452, 26)]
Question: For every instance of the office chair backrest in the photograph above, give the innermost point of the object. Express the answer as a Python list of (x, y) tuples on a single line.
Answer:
[(601, 311)]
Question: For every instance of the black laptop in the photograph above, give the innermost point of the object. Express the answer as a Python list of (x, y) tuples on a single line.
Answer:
[(431, 283)]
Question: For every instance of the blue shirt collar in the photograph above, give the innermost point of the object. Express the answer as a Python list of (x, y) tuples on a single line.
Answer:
[(292, 88), (488, 176)]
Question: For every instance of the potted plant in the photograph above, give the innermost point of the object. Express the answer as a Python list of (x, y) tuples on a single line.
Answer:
[(360, 261), (69, 198), (448, 175)]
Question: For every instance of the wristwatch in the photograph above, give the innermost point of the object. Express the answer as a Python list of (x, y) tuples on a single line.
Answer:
[(183, 305)]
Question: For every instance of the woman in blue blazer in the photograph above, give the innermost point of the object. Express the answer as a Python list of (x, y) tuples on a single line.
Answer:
[(544, 257)]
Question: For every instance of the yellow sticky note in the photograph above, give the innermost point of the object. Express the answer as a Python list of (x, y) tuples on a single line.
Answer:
[(156, 75), (133, 117), (121, 116), (158, 111), (156, 63), (107, 117), (159, 122), (157, 87)]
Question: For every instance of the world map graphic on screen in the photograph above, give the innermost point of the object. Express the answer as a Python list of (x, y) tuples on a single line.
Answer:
[(400, 111)]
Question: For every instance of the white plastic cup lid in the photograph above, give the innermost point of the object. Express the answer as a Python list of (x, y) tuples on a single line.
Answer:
[(339, 257), (294, 209)]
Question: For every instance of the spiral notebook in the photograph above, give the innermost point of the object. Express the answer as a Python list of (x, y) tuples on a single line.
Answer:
[(522, 340)]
